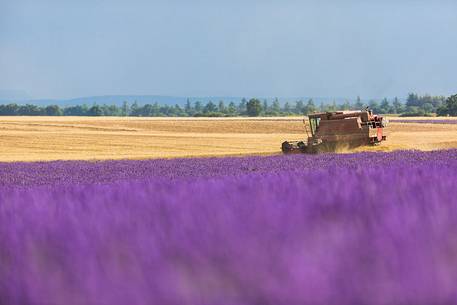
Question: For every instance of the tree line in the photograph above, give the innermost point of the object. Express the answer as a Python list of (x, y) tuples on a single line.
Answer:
[(415, 105)]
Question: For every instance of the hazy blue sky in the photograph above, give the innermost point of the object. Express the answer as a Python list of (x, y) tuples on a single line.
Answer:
[(372, 48)]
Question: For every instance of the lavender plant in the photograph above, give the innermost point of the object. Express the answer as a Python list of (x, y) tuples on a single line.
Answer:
[(365, 229), (433, 121), (70, 173)]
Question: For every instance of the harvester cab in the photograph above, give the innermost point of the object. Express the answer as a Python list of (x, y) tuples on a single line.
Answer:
[(327, 131)]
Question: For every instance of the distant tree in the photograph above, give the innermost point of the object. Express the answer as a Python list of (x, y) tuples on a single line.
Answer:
[(286, 108), (155, 109), (310, 107), (198, 107), (437, 101), (385, 106), (188, 108), (95, 111), (265, 106), (111, 110), (413, 100), (424, 105), (10, 109), (210, 108), (231, 108), (78, 110), (242, 107), (374, 105), (449, 107), (346, 105), (299, 107), (53, 110), (276, 106), (442, 111), (332, 107), (358, 104), (135, 109), (30, 110), (428, 108), (413, 111), (322, 107), (147, 110), (165, 110), (221, 107), (427, 103), (178, 111), (397, 106), (253, 107), (125, 108)]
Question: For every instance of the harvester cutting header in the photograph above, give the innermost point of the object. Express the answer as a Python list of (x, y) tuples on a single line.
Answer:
[(327, 131)]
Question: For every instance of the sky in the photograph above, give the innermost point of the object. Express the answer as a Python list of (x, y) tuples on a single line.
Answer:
[(327, 48)]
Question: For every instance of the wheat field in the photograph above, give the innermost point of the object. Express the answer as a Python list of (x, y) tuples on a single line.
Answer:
[(99, 138)]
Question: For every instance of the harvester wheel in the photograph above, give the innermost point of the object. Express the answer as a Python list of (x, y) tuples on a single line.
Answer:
[(286, 147)]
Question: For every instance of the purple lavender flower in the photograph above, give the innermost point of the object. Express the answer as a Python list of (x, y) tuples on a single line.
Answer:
[(363, 229)]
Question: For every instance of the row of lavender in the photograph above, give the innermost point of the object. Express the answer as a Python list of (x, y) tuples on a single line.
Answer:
[(431, 121), (70, 173), (327, 229)]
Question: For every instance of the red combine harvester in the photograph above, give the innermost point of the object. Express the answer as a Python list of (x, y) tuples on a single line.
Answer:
[(328, 131)]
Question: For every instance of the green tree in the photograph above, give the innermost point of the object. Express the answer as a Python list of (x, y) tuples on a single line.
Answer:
[(346, 105), (287, 108), (78, 110), (253, 107), (31, 110), (449, 107), (242, 107), (374, 105), (428, 108), (178, 111), (95, 111), (155, 109), (310, 107), (397, 106), (332, 107), (198, 107), (265, 106), (413, 111), (413, 100), (125, 108), (111, 110), (276, 106), (165, 110), (231, 108), (10, 109), (210, 107), (188, 108), (299, 107), (358, 104), (147, 110), (135, 109), (221, 107), (322, 107), (385, 106), (53, 110)]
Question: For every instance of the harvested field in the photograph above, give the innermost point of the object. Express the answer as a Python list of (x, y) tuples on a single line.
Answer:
[(88, 138)]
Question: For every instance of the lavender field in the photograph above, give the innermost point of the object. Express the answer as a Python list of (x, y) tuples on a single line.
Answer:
[(422, 121), (370, 228)]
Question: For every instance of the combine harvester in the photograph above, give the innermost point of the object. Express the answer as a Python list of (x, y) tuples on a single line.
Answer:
[(331, 131)]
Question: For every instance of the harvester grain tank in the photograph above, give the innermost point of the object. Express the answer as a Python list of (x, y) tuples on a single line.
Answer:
[(327, 131)]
